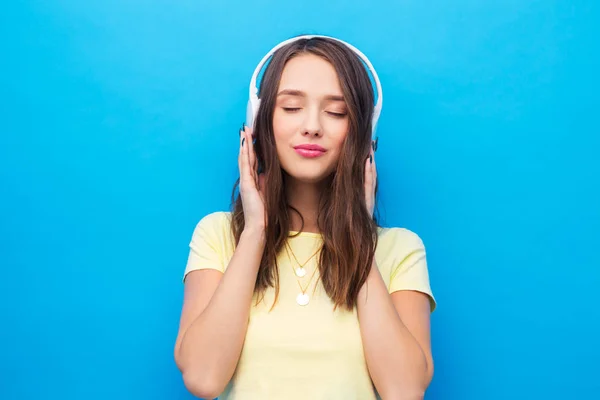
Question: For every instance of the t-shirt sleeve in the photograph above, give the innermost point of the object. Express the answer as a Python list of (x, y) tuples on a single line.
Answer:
[(206, 246), (410, 271)]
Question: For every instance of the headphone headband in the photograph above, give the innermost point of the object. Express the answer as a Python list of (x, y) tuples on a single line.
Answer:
[(254, 101)]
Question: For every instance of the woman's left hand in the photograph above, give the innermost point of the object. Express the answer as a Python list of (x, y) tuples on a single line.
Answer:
[(370, 182)]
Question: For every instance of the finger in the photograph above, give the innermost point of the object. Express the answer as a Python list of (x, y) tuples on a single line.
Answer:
[(252, 154), (261, 183), (368, 182), (374, 173), (242, 160), (248, 175), (240, 155)]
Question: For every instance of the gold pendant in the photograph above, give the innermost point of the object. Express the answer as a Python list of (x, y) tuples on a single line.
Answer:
[(302, 299), (300, 272)]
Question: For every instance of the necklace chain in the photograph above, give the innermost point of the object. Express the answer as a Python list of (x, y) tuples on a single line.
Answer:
[(303, 290)]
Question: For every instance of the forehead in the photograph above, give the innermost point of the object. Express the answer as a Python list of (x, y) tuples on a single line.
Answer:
[(311, 74)]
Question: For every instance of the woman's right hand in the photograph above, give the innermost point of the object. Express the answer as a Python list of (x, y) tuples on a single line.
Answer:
[(251, 183)]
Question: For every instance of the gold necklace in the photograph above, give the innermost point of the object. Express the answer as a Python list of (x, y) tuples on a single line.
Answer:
[(300, 271), (302, 298)]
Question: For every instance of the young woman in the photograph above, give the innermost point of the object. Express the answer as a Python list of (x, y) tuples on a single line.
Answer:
[(297, 293)]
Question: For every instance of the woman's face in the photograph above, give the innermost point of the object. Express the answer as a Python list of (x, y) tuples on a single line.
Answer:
[(310, 120)]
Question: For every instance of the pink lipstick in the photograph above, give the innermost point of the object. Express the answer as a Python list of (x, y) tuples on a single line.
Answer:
[(309, 150)]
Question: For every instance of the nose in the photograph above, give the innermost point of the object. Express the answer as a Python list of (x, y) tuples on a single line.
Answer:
[(311, 132), (312, 125)]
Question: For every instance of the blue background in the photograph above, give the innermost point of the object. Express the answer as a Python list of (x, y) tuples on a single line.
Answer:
[(118, 132)]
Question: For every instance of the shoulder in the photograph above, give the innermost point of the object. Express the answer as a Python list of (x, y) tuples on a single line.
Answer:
[(212, 243), (398, 241), (214, 229), (398, 248), (402, 261), (214, 223), (215, 219)]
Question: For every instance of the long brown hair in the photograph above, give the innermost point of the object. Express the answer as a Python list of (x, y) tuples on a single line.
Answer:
[(349, 232)]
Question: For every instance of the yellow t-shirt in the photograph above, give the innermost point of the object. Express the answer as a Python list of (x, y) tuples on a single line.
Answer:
[(306, 352)]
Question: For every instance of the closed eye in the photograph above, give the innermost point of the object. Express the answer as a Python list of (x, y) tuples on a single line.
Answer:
[(336, 115), (291, 109)]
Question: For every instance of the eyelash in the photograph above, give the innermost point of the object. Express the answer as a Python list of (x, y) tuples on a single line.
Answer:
[(333, 114)]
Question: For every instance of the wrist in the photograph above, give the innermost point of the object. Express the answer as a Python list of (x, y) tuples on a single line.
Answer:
[(256, 233)]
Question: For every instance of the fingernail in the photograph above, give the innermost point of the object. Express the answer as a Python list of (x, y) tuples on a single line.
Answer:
[(253, 140), (371, 159), (243, 140), (243, 126)]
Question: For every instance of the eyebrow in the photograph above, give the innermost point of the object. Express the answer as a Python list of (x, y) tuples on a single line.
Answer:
[(299, 93)]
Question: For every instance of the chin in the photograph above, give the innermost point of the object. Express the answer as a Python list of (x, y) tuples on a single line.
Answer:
[(308, 176), (310, 179)]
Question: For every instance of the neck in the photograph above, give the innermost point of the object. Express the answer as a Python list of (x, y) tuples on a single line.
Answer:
[(304, 197)]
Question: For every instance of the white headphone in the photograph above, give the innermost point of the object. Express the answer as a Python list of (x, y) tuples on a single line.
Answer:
[(254, 101)]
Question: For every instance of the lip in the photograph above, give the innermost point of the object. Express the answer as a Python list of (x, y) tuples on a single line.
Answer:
[(309, 150)]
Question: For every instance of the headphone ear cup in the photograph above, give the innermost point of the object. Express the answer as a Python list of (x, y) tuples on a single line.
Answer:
[(249, 114), (375, 121), (252, 112), (374, 127)]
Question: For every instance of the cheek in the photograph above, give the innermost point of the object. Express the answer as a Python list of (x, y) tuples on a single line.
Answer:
[(278, 123), (339, 134), (337, 128), (283, 125), (279, 131), (281, 134)]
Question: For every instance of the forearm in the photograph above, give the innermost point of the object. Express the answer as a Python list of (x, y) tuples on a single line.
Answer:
[(396, 362), (211, 346)]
